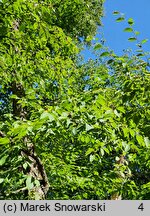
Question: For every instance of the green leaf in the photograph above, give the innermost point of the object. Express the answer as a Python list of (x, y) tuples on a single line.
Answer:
[(132, 39), (128, 30), (116, 12), (98, 46), (110, 61), (47, 115), (88, 127), (125, 131), (102, 151), (120, 19), (117, 158), (13, 96), (89, 38), (29, 184), (140, 139), (147, 141), (140, 50), (68, 122), (74, 131), (4, 141), (82, 138), (25, 165), (116, 113), (1, 180), (37, 183), (3, 160), (121, 109), (126, 148), (136, 32), (87, 139), (92, 158), (132, 132), (130, 21), (106, 150), (89, 151), (101, 100), (144, 41), (104, 54), (140, 54)]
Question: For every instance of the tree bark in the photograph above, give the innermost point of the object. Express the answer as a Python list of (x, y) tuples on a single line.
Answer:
[(36, 171), (116, 195)]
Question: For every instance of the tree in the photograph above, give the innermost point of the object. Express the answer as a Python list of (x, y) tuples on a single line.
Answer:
[(69, 130), (38, 57)]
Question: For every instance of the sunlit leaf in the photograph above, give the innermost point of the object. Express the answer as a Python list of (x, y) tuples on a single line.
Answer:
[(98, 46), (89, 151), (1, 180), (132, 132), (125, 131), (121, 109), (29, 184), (128, 30), (102, 151), (47, 115), (25, 165), (105, 54), (130, 21), (147, 141), (88, 127), (3, 160), (4, 141), (120, 19), (74, 131), (116, 113), (140, 139), (92, 158), (127, 148), (136, 32), (37, 182), (144, 41)]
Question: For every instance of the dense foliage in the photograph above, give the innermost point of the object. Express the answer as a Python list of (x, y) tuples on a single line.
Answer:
[(69, 130)]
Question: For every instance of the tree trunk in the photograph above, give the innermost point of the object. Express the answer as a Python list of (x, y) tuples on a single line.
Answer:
[(116, 195), (36, 171)]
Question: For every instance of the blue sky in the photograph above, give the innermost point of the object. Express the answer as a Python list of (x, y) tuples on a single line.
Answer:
[(116, 39)]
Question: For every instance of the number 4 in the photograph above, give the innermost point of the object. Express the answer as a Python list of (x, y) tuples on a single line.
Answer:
[(141, 207)]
